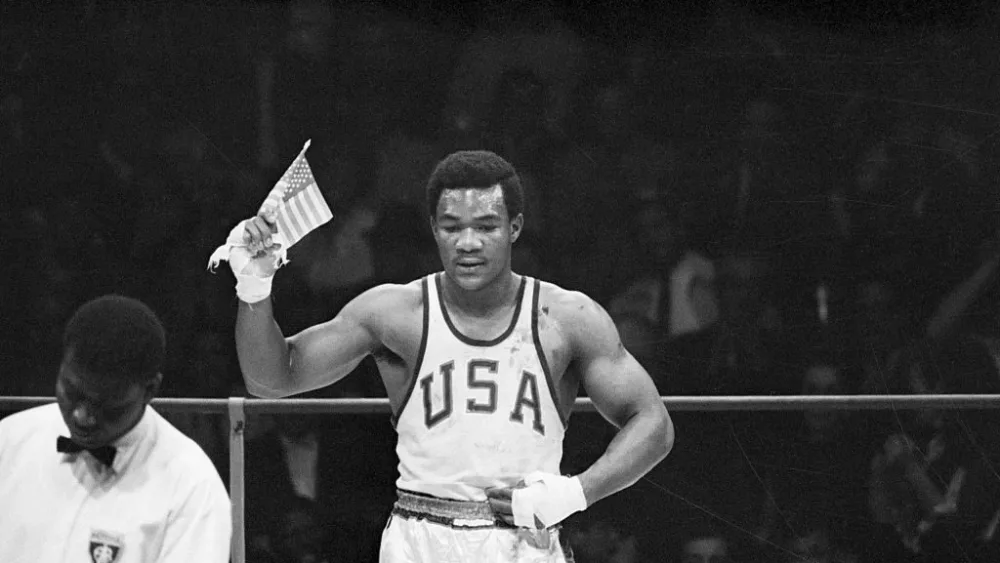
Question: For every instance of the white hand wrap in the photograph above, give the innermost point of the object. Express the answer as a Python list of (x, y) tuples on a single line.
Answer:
[(252, 283), (549, 498), (251, 289)]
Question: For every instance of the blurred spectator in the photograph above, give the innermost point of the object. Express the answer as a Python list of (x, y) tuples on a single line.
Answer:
[(813, 461), (750, 328), (288, 462), (602, 542), (339, 256), (683, 301), (706, 545), (878, 329), (368, 243), (299, 536), (650, 170), (672, 284), (955, 311), (673, 289), (814, 541), (527, 37), (824, 424), (955, 316), (739, 332), (345, 466), (933, 485)]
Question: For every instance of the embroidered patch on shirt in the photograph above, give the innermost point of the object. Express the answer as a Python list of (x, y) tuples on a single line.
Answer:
[(105, 547)]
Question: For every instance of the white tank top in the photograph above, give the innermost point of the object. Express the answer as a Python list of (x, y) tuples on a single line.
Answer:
[(478, 413)]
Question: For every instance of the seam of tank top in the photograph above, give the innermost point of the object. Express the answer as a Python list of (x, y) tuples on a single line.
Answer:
[(424, 290), (472, 341), (563, 416)]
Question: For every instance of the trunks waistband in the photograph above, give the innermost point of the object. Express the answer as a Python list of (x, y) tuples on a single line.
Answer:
[(456, 513)]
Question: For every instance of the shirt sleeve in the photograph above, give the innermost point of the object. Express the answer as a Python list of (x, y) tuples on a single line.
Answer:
[(201, 527)]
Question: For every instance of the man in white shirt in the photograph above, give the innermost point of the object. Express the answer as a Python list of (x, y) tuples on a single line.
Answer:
[(100, 477)]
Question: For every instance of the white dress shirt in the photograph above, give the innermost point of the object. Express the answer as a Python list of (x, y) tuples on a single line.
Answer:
[(162, 501)]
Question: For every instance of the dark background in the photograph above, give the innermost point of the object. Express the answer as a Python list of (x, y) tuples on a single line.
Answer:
[(766, 152)]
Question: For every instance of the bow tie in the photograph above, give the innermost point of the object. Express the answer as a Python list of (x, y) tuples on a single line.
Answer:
[(103, 454)]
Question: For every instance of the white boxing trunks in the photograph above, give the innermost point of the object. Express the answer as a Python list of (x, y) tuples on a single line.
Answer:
[(426, 529)]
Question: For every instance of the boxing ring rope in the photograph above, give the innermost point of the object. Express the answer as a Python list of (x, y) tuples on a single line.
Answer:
[(237, 409), (673, 403)]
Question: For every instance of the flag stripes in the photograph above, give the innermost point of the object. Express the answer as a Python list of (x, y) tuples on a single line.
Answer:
[(297, 201)]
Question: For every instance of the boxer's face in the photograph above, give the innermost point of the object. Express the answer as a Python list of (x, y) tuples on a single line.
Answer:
[(99, 410), (474, 235)]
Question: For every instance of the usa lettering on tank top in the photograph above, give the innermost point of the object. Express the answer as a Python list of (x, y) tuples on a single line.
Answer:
[(478, 413)]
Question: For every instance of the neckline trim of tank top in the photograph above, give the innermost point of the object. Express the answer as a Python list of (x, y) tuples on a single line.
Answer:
[(519, 300)]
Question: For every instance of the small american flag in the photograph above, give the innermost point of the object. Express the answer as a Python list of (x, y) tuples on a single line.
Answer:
[(297, 201)]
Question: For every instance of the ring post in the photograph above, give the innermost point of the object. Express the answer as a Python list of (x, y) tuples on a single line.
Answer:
[(237, 424)]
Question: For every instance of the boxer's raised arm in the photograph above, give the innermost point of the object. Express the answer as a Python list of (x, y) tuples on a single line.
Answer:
[(274, 366)]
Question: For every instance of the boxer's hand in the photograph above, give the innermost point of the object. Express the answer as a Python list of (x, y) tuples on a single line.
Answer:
[(501, 500), (254, 251), (540, 500), (258, 234)]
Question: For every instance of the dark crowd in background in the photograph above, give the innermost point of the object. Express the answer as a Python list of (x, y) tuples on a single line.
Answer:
[(767, 201)]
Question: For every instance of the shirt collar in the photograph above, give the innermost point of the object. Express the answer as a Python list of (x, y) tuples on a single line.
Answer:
[(129, 443)]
